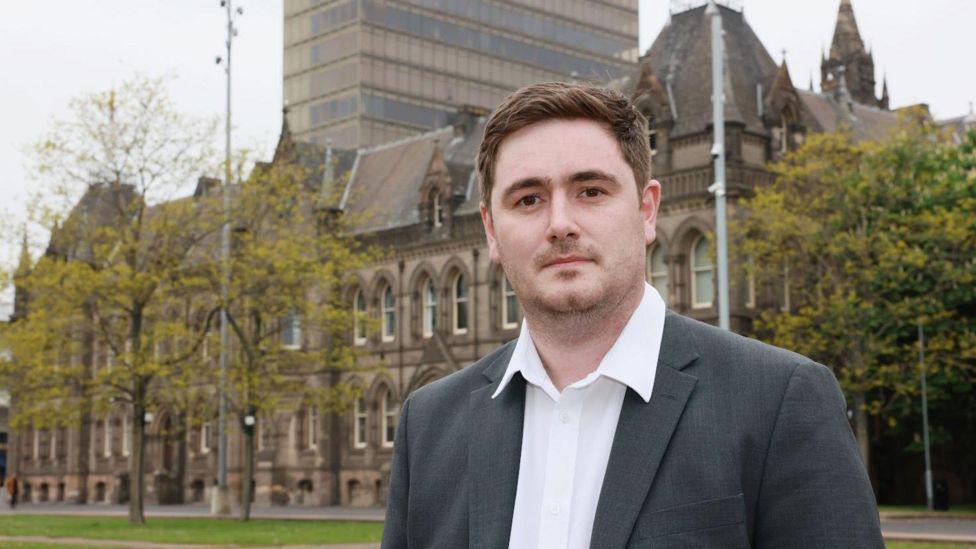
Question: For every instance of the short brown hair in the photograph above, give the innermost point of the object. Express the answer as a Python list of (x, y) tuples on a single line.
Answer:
[(558, 100)]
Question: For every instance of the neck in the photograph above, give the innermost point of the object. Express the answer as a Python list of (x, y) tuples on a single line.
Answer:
[(571, 346)]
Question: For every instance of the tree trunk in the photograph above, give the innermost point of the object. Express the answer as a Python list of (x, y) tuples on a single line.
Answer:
[(247, 479), (861, 429), (138, 459)]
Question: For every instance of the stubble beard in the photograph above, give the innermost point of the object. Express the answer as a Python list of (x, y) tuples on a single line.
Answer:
[(578, 311)]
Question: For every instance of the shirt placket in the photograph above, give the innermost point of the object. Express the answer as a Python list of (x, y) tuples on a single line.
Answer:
[(557, 493)]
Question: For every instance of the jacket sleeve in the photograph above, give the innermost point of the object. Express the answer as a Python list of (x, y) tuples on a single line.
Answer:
[(395, 524), (815, 490)]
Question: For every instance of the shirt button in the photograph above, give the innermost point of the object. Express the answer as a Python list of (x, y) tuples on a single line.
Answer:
[(554, 508), (564, 417)]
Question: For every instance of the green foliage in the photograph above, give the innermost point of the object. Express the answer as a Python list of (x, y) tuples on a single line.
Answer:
[(875, 238)]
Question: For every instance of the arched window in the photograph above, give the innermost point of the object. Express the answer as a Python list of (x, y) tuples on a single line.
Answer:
[(436, 209), (291, 331), (702, 287), (657, 271), (312, 427), (358, 325), (460, 305), (359, 424), (107, 440), (389, 418), (388, 313), (510, 306), (429, 307)]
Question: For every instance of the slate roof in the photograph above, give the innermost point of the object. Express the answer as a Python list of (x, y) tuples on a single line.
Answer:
[(383, 191), (828, 112), (681, 53)]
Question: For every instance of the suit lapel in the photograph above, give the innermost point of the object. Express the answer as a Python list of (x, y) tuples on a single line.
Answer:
[(494, 453), (641, 439)]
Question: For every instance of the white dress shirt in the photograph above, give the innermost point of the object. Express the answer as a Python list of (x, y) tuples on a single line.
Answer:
[(566, 437)]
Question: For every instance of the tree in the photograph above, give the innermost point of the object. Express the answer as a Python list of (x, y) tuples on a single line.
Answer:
[(106, 324), (292, 262), (870, 240)]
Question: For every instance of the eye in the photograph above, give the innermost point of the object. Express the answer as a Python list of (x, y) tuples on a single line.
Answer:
[(528, 200), (592, 192)]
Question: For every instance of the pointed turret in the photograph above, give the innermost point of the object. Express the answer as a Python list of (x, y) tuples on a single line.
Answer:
[(286, 144), (847, 50), (885, 102)]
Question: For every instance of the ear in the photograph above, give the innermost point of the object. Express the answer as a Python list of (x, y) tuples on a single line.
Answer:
[(489, 224), (650, 203)]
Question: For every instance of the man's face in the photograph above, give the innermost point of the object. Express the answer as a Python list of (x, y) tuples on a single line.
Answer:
[(567, 223)]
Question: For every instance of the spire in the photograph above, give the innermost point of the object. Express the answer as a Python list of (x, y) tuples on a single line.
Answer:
[(847, 38), (811, 80), (25, 262), (885, 101), (847, 50), (285, 130)]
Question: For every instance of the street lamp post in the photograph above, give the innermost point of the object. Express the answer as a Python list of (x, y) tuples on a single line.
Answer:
[(718, 154), (925, 418), (220, 502)]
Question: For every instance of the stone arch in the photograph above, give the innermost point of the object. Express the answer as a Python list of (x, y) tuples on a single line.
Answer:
[(452, 268), (419, 274), (374, 300), (660, 241), (380, 382), (424, 376), (679, 252)]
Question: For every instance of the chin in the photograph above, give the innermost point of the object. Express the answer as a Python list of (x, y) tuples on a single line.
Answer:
[(572, 299)]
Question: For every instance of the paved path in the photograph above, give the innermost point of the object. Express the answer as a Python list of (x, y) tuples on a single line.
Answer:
[(930, 529), (370, 514)]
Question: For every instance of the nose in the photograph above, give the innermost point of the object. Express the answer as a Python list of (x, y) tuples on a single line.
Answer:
[(562, 221)]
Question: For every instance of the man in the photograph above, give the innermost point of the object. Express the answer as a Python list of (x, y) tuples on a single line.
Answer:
[(610, 422)]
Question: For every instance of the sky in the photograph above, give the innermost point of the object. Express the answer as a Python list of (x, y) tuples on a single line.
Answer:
[(51, 52)]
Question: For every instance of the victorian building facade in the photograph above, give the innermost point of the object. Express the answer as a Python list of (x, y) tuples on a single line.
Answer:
[(441, 304)]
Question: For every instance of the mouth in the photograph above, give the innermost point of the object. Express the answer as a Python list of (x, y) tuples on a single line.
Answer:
[(569, 261)]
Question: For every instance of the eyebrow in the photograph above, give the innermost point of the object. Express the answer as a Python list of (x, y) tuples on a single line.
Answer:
[(522, 184), (592, 175)]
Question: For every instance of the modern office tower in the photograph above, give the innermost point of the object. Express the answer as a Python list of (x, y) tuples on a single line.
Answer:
[(365, 72)]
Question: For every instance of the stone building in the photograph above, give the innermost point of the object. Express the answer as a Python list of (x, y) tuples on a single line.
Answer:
[(441, 303)]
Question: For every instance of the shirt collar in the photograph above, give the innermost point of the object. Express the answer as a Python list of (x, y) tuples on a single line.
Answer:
[(632, 360)]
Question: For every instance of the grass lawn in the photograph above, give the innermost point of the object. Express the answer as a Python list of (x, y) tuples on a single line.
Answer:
[(968, 509), (193, 530), (920, 545)]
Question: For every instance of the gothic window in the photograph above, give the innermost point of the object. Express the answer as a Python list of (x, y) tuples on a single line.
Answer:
[(312, 428), (126, 436), (358, 325), (702, 270), (389, 418), (107, 439), (388, 313), (510, 306), (652, 141), (436, 209), (359, 423), (657, 271), (291, 331), (460, 305), (205, 431), (429, 307)]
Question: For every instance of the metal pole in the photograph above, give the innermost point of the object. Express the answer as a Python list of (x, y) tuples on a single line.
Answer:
[(925, 418), (718, 154), (220, 503)]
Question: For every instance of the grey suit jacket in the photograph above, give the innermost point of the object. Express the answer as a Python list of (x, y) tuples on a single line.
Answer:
[(741, 445)]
